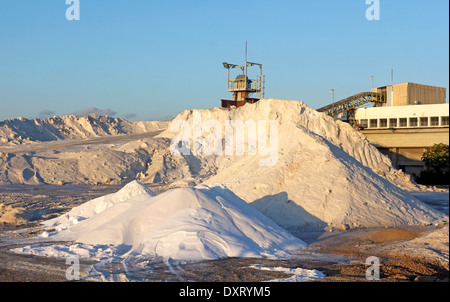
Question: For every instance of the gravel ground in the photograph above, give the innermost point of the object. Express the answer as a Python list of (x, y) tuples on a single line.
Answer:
[(340, 255)]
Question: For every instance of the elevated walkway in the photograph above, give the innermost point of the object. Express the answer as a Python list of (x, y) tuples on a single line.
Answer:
[(353, 102)]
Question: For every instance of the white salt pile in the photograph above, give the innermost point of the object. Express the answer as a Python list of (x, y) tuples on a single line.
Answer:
[(22, 131), (98, 205), (204, 222), (326, 174), (298, 274)]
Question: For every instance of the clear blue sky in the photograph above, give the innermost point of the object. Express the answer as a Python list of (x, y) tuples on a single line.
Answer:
[(147, 60)]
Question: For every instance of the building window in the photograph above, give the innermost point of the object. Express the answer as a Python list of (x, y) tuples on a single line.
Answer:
[(363, 123), (393, 122), (373, 123), (424, 122), (434, 121), (403, 122), (413, 122), (383, 123)]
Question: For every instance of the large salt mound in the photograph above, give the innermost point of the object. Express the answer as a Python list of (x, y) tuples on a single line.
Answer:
[(98, 205), (204, 222), (327, 173)]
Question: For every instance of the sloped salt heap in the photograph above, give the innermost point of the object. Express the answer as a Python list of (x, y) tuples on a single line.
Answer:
[(327, 173), (22, 130), (204, 222)]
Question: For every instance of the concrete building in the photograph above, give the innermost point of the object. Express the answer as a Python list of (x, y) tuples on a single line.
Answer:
[(405, 94), (413, 118)]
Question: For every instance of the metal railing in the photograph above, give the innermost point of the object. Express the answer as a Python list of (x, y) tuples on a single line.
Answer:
[(251, 85)]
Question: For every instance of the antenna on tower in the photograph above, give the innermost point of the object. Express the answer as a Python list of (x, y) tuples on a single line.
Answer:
[(245, 59), (245, 51)]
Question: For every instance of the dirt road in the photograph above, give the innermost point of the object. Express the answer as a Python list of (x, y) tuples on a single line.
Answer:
[(48, 146)]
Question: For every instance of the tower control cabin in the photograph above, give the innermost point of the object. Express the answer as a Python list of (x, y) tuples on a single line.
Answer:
[(242, 86)]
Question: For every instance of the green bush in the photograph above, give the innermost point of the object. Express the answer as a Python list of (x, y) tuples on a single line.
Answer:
[(436, 160)]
